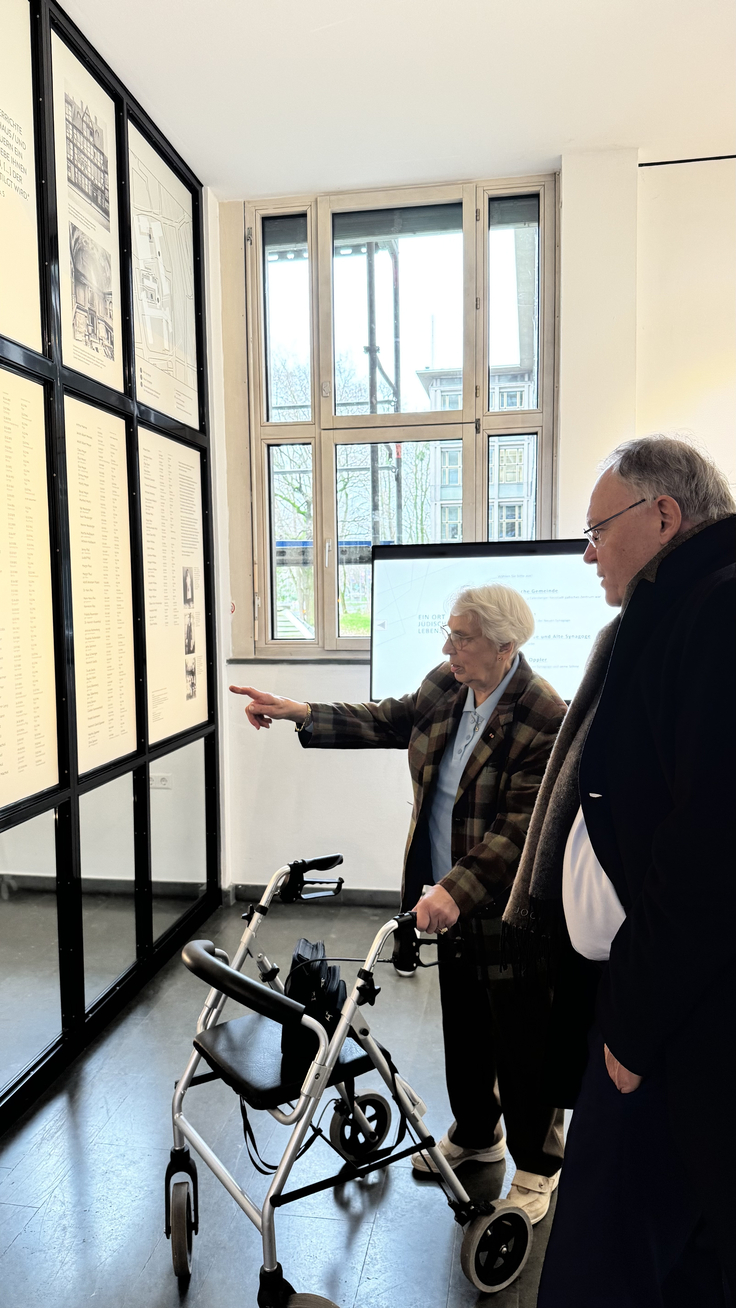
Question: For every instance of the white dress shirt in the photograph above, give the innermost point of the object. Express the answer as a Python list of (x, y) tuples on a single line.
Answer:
[(593, 910), (454, 761)]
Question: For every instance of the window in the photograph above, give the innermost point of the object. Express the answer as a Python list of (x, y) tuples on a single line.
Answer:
[(292, 542), (512, 487), (510, 517), (387, 494), (513, 301), (286, 313), (422, 410), (452, 522), (510, 464), (452, 468), (397, 306)]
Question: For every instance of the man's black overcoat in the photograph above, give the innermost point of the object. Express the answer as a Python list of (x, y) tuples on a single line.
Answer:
[(657, 786)]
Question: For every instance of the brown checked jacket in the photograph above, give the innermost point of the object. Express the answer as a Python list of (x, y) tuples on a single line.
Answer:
[(497, 790)]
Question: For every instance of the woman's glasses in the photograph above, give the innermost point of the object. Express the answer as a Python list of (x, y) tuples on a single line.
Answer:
[(457, 642)]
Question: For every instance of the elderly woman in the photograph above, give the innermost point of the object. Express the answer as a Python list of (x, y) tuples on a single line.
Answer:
[(478, 731)]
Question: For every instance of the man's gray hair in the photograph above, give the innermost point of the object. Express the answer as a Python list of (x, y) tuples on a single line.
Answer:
[(669, 465), (503, 613)]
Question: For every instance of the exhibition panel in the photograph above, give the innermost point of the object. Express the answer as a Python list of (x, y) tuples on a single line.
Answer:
[(163, 284), (20, 301), (173, 566), (28, 760), (102, 594), (87, 215), (106, 616)]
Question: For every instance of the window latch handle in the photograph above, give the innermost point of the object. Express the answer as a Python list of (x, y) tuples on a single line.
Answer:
[(328, 547)]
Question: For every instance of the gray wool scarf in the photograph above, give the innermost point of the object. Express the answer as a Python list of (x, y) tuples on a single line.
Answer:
[(539, 877)]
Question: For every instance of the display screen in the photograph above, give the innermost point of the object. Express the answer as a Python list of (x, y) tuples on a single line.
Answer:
[(413, 589)]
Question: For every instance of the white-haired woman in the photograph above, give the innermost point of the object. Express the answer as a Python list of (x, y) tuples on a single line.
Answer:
[(478, 731)]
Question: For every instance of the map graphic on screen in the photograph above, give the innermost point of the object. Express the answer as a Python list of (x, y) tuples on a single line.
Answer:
[(413, 587)]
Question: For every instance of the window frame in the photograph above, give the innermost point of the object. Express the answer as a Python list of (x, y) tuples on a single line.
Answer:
[(474, 422)]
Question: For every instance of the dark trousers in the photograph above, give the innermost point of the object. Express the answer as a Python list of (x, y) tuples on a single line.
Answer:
[(627, 1232), (493, 1044)]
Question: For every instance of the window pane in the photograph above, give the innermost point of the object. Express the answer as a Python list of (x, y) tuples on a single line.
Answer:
[(513, 302), (30, 1017), (178, 834), (292, 542), (287, 319), (108, 882), (512, 487), (390, 494), (398, 309)]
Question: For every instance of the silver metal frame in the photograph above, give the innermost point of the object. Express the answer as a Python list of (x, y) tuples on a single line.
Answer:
[(315, 1082)]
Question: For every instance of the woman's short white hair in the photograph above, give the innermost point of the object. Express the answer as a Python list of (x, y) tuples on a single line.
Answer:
[(503, 614)]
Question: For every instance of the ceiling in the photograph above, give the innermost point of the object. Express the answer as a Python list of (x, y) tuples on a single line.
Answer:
[(269, 98)]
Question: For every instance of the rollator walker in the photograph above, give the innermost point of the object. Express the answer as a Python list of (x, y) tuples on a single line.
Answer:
[(246, 1053)]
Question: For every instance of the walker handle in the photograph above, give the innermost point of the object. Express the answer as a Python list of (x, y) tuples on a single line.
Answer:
[(199, 957)]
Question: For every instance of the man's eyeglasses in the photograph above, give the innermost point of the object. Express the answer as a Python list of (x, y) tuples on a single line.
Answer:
[(593, 533), (457, 642)]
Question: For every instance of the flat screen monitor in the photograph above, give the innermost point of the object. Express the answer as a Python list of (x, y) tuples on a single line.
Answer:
[(413, 587)]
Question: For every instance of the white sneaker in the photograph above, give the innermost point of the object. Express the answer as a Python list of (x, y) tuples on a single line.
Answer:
[(533, 1193), (456, 1154)]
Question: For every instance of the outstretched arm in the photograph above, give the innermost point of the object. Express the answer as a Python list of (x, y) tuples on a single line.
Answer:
[(265, 708)]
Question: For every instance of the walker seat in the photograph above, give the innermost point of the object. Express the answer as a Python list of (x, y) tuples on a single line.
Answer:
[(246, 1054)]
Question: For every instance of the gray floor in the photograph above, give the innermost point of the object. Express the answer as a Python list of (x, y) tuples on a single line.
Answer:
[(81, 1178)]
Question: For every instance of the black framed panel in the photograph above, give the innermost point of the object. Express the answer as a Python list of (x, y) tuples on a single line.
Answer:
[(80, 1021)]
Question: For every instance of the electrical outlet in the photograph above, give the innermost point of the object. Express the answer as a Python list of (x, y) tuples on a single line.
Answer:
[(161, 781)]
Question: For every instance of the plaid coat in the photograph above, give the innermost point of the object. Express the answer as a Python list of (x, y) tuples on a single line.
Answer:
[(497, 790)]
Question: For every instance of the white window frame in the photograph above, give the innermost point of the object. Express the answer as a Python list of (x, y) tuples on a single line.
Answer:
[(473, 423)]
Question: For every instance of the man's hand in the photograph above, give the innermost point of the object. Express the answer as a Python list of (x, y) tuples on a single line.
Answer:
[(623, 1080), (436, 910), (265, 708)]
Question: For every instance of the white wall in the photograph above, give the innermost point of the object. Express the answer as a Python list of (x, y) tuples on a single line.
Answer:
[(686, 319), (289, 802), (647, 325), (597, 320)]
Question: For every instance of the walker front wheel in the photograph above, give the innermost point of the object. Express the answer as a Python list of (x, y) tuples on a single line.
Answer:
[(348, 1138), (182, 1229), (495, 1248)]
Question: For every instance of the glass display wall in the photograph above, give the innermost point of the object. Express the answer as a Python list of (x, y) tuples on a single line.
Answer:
[(108, 750)]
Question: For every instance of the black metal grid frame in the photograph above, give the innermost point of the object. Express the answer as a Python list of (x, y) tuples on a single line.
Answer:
[(80, 1025)]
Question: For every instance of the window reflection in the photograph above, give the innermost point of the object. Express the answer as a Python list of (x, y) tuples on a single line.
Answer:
[(178, 833), (30, 1015), (108, 883)]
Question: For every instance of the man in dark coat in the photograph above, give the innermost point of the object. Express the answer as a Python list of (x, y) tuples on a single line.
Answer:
[(634, 832)]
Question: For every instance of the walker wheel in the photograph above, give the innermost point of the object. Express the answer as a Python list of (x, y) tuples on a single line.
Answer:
[(495, 1249), (182, 1229), (346, 1136), (309, 1301)]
